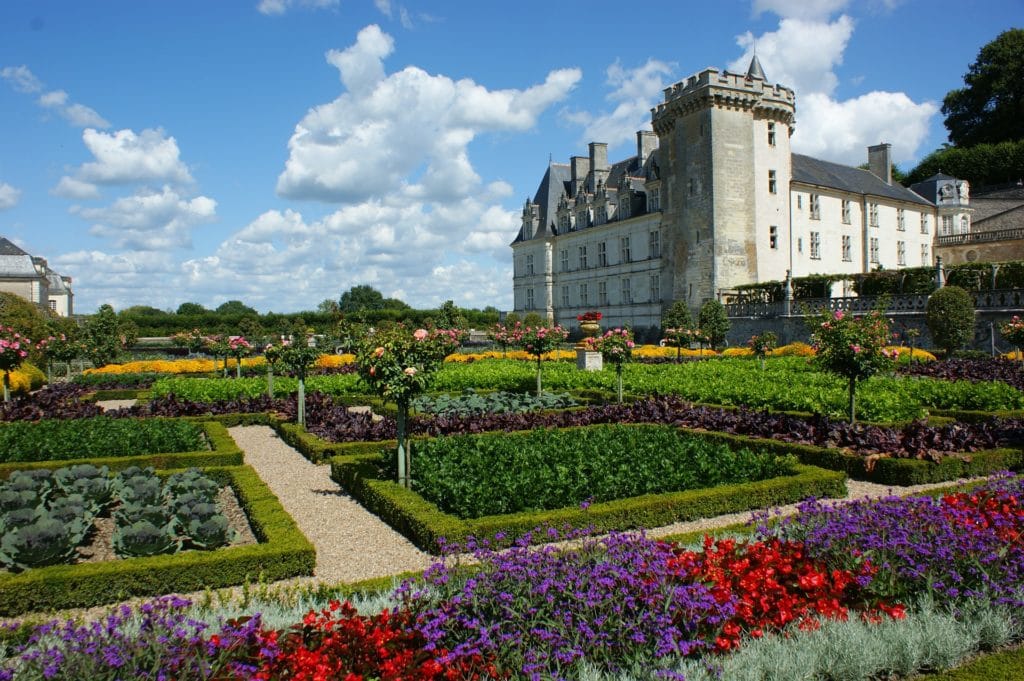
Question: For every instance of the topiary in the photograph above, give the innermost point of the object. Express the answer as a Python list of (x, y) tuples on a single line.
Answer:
[(714, 323), (950, 318)]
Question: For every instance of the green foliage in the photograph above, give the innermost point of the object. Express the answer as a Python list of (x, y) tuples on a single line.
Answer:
[(191, 308), (850, 346), (143, 538), (397, 364), (21, 315), (106, 336), (472, 402), (990, 106), (533, 319), (360, 298), (478, 475), (95, 437), (950, 318), (678, 316), (893, 282), (982, 164), (714, 323), (235, 307), (220, 390)]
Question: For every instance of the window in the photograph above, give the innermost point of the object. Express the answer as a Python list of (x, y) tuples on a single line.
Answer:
[(924, 223), (602, 254), (582, 219), (624, 207), (847, 210), (654, 244), (627, 297), (583, 257), (901, 252), (815, 245), (773, 237), (529, 299), (799, 201), (901, 220), (529, 264), (965, 225), (53, 306), (924, 255), (584, 299), (873, 249), (602, 293), (654, 200), (655, 285), (624, 252), (815, 206), (771, 134), (847, 248), (800, 245), (947, 225), (564, 222), (873, 214), (602, 215), (565, 296), (564, 256), (771, 182)]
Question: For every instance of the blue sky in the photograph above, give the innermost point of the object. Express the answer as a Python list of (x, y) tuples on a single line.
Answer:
[(280, 152)]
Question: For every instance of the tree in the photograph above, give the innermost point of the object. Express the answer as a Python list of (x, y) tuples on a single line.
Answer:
[(990, 106), (714, 323), (950, 318), (980, 165), (21, 315), (234, 307), (106, 336), (360, 298), (677, 317), (328, 306), (191, 308)]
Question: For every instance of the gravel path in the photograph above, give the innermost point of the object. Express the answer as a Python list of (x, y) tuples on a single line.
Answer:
[(351, 543), (114, 404)]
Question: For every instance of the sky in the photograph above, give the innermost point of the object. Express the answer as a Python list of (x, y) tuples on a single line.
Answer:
[(280, 152)]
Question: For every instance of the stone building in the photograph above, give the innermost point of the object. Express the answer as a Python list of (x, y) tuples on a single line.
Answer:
[(714, 198), (31, 278), (996, 231)]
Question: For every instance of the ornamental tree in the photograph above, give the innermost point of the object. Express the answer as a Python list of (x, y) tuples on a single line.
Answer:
[(239, 348), (538, 340), (397, 365), (950, 318), (502, 335), (106, 336), (762, 345), (1013, 332), (193, 340), (296, 357), (616, 347), (714, 323), (852, 347), (14, 350), (217, 345)]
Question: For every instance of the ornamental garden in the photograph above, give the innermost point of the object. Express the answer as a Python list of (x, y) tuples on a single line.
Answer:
[(536, 485)]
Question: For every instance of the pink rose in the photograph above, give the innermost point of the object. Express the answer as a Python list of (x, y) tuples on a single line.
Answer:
[(410, 371), (420, 334)]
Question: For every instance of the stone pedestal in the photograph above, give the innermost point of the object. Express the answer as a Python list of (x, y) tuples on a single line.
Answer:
[(589, 360)]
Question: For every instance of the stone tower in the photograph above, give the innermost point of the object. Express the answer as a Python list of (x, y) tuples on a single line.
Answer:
[(725, 166)]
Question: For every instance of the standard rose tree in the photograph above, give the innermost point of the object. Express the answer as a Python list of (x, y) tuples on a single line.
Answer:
[(539, 340), (616, 347), (13, 351)]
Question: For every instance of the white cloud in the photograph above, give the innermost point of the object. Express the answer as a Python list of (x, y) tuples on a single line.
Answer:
[(124, 157), (800, 9), (408, 131), (635, 91), (281, 6), (70, 188), (383, 6), (8, 196), (149, 220), (21, 78)]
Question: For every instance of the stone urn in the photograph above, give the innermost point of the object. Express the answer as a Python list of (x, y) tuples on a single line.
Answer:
[(590, 329)]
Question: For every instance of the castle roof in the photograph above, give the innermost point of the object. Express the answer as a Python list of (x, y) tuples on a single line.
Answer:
[(814, 171), (8, 247), (755, 70)]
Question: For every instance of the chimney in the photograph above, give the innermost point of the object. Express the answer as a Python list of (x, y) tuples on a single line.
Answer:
[(598, 164), (646, 142), (580, 166), (880, 161)]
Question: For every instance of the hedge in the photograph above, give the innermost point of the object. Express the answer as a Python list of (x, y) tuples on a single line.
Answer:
[(283, 552), (223, 452)]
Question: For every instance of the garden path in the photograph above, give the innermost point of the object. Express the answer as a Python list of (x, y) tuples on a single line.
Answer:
[(351, 543)]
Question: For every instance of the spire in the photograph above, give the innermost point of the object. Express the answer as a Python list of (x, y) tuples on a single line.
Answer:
[(755, 70)]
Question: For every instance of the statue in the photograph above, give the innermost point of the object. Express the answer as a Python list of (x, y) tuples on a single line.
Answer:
[(964, 191)]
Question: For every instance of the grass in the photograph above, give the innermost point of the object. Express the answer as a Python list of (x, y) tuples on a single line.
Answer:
[(998, 666)]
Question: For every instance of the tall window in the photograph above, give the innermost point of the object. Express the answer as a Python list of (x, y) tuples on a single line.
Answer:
[(846, 211), (601, 216), (772, 185), (529, 299), (924, 223), (815, 245), (873, 249), (564, 222), (901, 252), (947, 225), (529, 264), (771, 134), (624, 252), (773, 237), (564, 257), (582, 219), (815, 207), (925, 260), (584, 298), (625, 210), (655, 284), (627, 297), (873, 214), (654, 200), (965, 224), (847, 248), (602, 293), (654, 244), (602, 254), (565, 296), (583, 257), (901, 220)]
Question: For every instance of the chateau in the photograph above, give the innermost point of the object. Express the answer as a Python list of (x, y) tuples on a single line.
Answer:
[(31, 278), (713, 199)]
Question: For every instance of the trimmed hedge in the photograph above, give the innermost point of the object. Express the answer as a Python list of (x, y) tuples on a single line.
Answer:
[(223, 452), (117, 394), (283, 552), (319, 450), (424, 524)]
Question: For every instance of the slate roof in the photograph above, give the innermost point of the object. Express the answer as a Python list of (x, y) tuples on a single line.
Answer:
[(56, 283), (8, 247), (848, 179)]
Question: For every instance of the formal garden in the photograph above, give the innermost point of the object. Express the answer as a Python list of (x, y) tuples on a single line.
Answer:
[(139, 540)]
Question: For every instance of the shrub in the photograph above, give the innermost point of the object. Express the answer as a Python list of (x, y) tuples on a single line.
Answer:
[(950, 318), (714, 323)]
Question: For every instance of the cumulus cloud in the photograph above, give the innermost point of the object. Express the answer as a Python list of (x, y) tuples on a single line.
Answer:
[(272, 7), (127, 157), (409, 130), (150, 220), (8, 196), (117, 278), (70, 188), (23, 80), (634, 92), (800, 9)]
